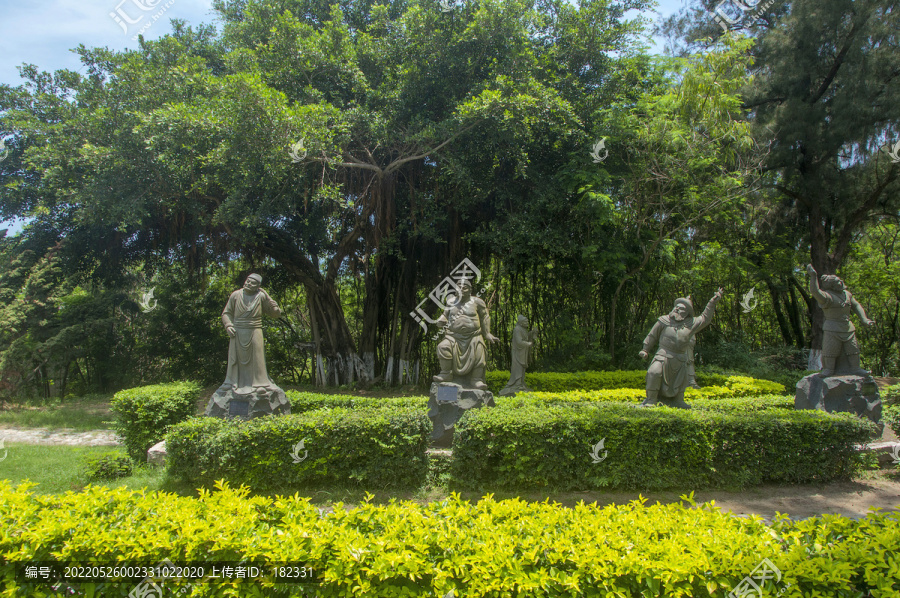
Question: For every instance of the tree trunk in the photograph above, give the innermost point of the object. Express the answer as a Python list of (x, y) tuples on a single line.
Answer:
[(779, 315)]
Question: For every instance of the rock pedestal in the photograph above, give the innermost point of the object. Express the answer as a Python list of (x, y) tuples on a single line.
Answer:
[(228, 402), (852, 394), (156, 454), (447, 403)]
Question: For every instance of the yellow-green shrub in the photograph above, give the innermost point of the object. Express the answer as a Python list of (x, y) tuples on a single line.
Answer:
[(489, 549), (635, 379)]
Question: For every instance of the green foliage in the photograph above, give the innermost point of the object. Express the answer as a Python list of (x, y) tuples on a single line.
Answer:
[(890, 416), (406, 549), (633, 379), (109, 466), (145, 414), (891, 395), (371, 447), (550, 447)]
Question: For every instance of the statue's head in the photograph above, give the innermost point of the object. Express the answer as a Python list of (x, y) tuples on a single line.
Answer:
[(522, 321), (830, 282), (253, 283), (683, 309), (466, 289)]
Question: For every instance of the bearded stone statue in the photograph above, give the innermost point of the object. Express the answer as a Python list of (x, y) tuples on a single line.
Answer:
[(670, 370)]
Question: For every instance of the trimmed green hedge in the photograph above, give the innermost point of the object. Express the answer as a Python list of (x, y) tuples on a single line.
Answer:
[(550, 446), (302, 402), (145, 414), (580, 381), (341, 447), (489, 549)]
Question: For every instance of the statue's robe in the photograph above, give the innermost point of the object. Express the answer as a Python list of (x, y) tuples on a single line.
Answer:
[(839, 333), (675, 349), (520, 347), (246, 351)]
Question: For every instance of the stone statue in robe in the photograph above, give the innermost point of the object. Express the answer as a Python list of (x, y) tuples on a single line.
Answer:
[(670, 370), (246, 377), (462, 353), (522, 341)]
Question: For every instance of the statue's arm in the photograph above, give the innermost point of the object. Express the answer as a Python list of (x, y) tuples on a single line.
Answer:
[(270, 308), (485, 319), (706, 317), (858, 308), (821, 298), (652, 339), (228, 316)]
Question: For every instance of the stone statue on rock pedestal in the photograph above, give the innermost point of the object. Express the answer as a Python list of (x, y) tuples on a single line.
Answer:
[(248, 391), (670, 371), (842, 385), (522, 341), (462, 353)]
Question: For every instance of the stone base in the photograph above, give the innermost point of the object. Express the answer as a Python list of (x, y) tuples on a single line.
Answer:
[(228, 402), (510, 391), (851, 394), (447, 403), (156, 454)]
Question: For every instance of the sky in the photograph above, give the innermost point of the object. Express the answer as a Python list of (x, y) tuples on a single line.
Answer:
[(43, 32)]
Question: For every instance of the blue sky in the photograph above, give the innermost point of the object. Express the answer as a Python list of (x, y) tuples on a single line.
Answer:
[(43, 32)]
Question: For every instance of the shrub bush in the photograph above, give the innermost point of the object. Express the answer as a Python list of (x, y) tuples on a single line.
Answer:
[(890, 416), (551, 445), (108, 466), (302, 402), (492, 548), (145, 414), (343, 447), (891, 395), (634, 379)]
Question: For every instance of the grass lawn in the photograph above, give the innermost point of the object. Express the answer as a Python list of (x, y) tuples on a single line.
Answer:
[(81, 414)]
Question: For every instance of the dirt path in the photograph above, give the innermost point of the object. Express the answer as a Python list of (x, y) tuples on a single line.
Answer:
[(59, 436)]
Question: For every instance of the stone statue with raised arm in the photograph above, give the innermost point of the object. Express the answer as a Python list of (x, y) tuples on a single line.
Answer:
[(669, 372), (842, 385), (248, 391), (840, 351)]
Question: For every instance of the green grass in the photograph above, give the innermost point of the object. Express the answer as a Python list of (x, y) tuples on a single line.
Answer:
[(58, 469), (82, 414)]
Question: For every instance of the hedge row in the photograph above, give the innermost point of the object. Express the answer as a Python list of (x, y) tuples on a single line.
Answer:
[(380, 447), (564, 382), (728, 387), (145, 414), (551, 446), (890, 415), (489, 549)]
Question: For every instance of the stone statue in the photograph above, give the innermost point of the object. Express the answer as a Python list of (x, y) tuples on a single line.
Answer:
[(462, 353), (247, 391), (669, 371), (840, 352), (521, 343), (842, 385)]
